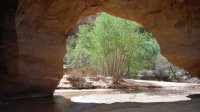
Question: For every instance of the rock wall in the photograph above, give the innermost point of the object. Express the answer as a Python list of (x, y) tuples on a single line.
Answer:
[(32, 43), (8, 48)]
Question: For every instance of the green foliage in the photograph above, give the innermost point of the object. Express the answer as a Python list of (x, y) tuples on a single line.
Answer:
[(112, 45), (69, 57)]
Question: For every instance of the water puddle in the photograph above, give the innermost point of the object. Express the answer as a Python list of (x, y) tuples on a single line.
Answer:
[(110, 100)]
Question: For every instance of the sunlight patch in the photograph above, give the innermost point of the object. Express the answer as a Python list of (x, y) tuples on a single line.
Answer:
[(138, 97)]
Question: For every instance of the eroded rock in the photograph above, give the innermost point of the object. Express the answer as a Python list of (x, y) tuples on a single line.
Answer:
[(33, 37)]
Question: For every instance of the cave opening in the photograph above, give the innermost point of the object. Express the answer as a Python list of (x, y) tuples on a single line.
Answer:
[(145, 71), (32, 49)]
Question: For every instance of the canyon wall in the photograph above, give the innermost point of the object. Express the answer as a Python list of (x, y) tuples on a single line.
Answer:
[(33, 34)]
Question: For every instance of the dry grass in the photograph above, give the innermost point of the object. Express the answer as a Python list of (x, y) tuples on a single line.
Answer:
[(81, 71)]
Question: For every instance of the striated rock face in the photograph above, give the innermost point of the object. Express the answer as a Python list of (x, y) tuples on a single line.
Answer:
[(32, 43)]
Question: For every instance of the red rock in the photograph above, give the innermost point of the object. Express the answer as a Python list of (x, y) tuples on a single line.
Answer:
[(32, 43)]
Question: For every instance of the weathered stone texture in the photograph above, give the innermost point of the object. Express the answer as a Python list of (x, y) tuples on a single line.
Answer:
[(33, 37)]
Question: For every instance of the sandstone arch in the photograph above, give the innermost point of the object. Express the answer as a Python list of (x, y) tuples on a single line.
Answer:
[(33, 37)]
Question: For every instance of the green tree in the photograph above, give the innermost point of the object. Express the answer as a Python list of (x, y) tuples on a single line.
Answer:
[(114, 45)]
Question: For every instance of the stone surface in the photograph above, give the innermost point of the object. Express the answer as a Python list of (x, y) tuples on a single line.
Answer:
[(32, 43)]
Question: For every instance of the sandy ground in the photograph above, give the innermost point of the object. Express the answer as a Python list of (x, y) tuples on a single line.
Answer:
[(70, 82), (172, 97)]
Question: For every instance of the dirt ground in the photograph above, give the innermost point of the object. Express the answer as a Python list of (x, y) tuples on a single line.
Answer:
[(171, 97)]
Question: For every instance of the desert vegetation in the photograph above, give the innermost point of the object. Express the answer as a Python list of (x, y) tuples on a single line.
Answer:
[(115, 47)]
